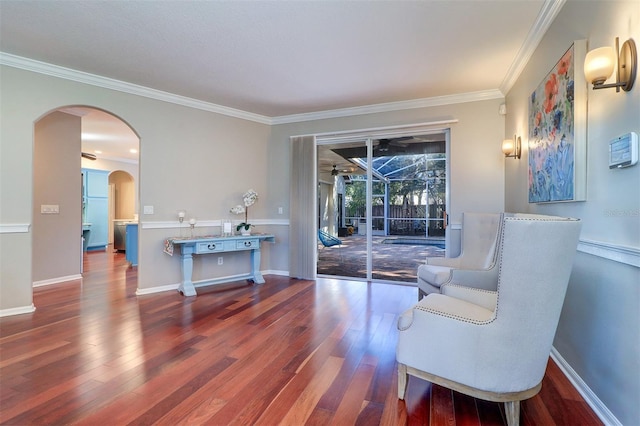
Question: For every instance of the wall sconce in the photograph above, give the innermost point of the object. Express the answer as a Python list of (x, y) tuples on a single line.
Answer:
[(599, 64), (181, 215), (512, 147)]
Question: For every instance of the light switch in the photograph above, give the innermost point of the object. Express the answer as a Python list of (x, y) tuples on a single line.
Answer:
[(148, 210), (49, 209), (280, 210)]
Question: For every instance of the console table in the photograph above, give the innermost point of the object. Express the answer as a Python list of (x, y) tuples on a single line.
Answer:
[(212, 244)]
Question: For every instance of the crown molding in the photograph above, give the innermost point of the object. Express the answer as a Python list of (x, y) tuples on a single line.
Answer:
[(121, 86), (548, 13), (134, 89), (391, 106)]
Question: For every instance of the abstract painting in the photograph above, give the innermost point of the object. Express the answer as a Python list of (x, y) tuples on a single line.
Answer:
[(557, 133)]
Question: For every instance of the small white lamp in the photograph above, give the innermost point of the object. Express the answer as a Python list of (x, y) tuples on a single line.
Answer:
[(192, 224)]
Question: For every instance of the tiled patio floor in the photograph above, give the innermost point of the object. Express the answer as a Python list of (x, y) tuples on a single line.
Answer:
[(391, 262)]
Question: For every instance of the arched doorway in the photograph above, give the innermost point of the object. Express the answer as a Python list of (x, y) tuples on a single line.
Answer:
[(69, 141)]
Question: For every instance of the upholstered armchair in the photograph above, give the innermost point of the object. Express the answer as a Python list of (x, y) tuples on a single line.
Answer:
[(495, 345), (475, 266)]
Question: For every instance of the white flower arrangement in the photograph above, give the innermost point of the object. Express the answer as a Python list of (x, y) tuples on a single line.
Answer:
[(249, 198), (237, 209)]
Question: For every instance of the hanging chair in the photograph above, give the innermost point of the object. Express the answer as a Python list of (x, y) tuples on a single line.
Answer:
[(329, 240)]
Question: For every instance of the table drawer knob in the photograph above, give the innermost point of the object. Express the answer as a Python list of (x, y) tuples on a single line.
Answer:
[(211, 246)]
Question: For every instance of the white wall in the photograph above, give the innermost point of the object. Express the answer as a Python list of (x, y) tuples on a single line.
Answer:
[(598, 332)]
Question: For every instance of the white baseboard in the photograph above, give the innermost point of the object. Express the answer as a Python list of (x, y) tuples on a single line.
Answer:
[(17, 311), (590, 398), (276, 272), (57, 280), (230, 278), (159, 289)]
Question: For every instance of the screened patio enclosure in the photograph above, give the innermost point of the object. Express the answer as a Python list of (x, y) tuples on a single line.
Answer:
[(400, 185), (408, 190)]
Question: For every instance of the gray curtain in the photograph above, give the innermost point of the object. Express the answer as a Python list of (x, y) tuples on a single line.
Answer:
[(303, 208)]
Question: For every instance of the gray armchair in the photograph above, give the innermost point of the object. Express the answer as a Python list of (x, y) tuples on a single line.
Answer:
[(475, 266), (494, 345)]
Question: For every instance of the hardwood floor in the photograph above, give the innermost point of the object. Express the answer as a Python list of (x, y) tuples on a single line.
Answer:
[(288, 352)]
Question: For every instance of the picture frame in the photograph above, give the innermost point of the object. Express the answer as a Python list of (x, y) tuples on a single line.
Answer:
[(557, 163), (227, 229)]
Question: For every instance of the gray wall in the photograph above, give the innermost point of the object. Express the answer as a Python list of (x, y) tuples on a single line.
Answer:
[(476, 162), (598, 332), (190, 159), (56, 177), (202, 162)]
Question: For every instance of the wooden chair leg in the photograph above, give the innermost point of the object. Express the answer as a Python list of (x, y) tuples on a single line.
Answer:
[(402, 381), (512, 411), (421, 294)]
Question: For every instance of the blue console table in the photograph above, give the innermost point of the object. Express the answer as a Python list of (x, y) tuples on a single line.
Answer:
[(211, 244)]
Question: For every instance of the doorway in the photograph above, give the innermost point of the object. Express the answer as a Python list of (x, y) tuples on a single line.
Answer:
[(66, 142), (391, 196)]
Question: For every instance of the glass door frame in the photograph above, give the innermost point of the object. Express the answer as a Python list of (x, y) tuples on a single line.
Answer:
[(368, 137)]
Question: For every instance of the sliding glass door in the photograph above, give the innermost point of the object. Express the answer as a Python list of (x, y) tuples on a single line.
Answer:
[(384, 199), (342, 209)]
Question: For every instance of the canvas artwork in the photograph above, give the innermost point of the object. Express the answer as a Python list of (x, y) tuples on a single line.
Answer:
[(552, 135)]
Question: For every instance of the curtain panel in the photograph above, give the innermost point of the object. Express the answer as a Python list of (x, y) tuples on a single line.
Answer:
[(304, 208)]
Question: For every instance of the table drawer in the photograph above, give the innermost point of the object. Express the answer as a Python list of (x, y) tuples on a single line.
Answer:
[(210, 247), (247, 244)]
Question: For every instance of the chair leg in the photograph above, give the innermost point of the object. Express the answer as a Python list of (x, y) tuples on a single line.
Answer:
[(402, 381), (512, 411), (421, 294)]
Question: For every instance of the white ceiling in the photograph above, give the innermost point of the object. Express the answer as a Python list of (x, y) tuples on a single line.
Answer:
[(106, 136), (280, 58)]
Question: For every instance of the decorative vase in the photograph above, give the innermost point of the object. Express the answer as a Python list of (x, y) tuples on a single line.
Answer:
[(244, 231)]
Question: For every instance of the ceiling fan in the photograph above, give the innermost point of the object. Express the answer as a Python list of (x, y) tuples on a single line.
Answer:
[(335, 171), (385, 143), (89, 156)]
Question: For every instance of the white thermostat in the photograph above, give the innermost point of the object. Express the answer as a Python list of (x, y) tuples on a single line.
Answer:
[(623, 151)]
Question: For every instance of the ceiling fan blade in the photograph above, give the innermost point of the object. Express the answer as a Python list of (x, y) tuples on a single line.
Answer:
[(399, 141), (89, 156), (383, 145)]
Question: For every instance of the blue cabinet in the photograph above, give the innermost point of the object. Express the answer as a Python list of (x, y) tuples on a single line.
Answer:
[(132, 244), (97, 183), (95, 207)]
